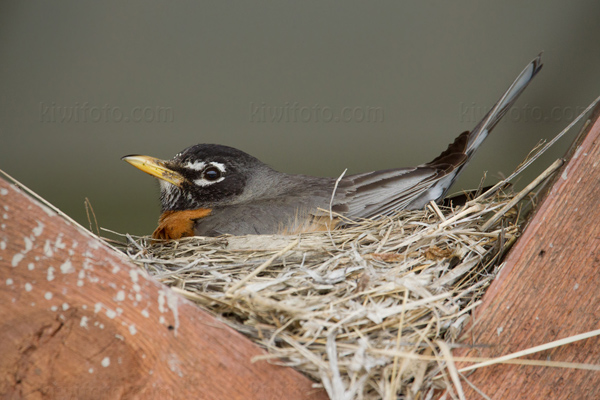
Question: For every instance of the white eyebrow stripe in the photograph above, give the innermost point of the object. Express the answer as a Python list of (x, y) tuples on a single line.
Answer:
[(196, 166), (220, 166), (200, 165)]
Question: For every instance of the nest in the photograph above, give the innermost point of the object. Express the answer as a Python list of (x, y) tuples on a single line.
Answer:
[(366, 311)]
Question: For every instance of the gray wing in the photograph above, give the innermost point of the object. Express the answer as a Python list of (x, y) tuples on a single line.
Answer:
[(292, 206), (382, 192), (248, 219)]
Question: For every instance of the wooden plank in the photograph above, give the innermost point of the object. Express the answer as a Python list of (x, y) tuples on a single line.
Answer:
[(77, 320), (549, 289)]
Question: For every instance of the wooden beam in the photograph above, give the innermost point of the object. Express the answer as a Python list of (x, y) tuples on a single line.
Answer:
[(79, 321), (548, 289)]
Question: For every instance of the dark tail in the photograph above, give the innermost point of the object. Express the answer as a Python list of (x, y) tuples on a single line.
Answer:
[(458, 154)]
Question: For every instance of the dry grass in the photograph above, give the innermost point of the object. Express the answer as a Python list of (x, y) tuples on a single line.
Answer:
[(370, 311)]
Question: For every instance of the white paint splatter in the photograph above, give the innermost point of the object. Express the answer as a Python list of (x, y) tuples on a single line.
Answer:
[(81, 276), (17, 259), (67, 267), (9, 282), (58, 244), (111, 313), (84, 322), (576, 286), (65, 306), (171, 301), (145, 313), (3, 245), (91, 370), (47, 210), (94, 244), (174, 364), (37, 231), (50, 273), (120, 337), (28, 287), (499, 330), (30, 266), (120, 296), (28, 244), (132, 329), (5, 216), (105, 362), (48, 249), (88, 265), (48, 296), (3, 192), (54, 308), (161, 301), (98, 307), (133, 273)]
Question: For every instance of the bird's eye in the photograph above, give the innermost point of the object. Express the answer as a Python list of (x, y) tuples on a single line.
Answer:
[(211, 173)]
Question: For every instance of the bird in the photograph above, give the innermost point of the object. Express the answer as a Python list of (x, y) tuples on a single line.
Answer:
[(214, 190)]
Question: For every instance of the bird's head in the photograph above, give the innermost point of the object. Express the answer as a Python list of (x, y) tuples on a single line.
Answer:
[(201, 176)]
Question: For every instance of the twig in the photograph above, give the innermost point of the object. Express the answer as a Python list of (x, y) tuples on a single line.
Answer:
[(542, 178)]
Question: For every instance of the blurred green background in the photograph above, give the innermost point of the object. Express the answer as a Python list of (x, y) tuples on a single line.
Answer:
[(83, 83)]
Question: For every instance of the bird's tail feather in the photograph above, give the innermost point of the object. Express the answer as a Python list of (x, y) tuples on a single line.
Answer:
[(481, 130), (382, 192), (459, 152)]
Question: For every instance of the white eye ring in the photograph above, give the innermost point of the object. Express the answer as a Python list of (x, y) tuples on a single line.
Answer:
[(212, 167)]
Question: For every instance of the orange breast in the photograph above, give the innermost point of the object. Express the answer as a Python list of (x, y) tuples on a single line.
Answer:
[(178, 224)]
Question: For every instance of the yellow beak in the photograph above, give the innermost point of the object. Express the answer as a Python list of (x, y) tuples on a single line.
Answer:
[(155, 167)]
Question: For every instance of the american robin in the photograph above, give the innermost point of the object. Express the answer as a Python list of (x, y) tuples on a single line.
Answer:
[(210, 190)]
